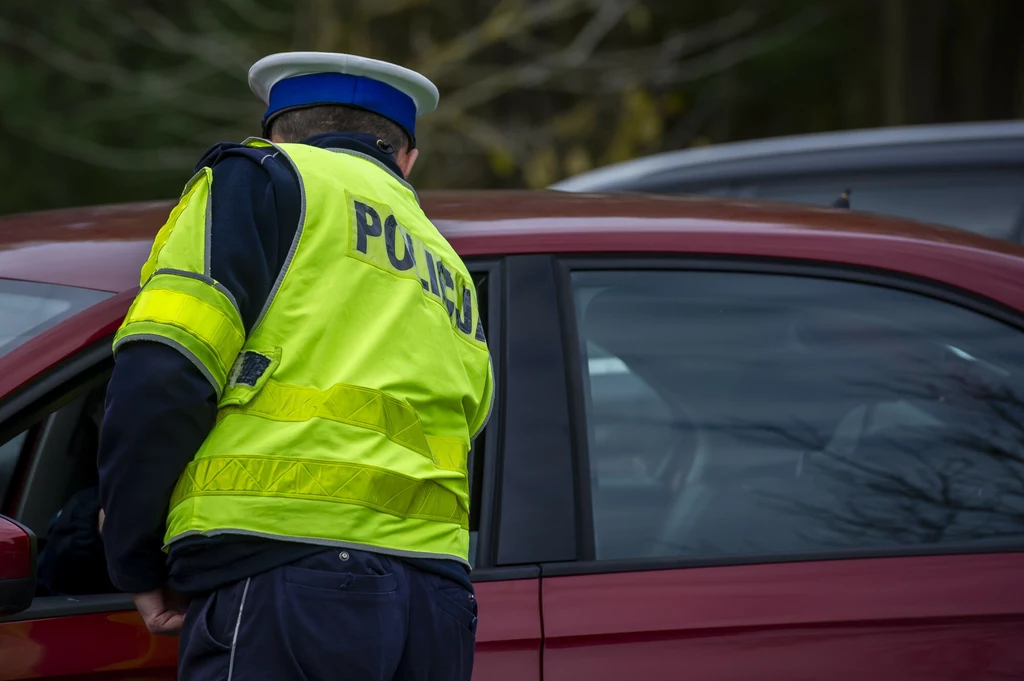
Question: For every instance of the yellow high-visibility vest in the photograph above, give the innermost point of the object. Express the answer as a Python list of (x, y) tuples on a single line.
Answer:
[(346, 415)]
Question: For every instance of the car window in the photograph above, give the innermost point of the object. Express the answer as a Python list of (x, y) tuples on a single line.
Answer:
[(733, 414), (985, 202), (29, 308), (58, 492)]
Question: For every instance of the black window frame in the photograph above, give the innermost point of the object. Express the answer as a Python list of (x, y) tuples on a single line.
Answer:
[(534, 504), (501, 552), (587, 563), (490, 437)]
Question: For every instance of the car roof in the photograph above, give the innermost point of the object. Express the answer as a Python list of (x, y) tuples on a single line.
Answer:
[(104, 247), (781, 152)]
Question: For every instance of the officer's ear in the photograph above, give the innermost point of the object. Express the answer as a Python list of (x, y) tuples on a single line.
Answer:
[(406, 160)]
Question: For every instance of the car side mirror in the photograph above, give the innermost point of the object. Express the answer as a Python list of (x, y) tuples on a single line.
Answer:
[(17, 567)]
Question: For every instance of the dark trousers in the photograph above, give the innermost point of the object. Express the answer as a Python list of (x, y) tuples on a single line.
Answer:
[(342, 615)]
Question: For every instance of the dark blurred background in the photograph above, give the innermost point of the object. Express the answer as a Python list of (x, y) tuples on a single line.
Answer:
[(115, 100)]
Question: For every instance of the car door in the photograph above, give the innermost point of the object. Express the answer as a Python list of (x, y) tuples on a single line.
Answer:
[(789, 472), (51, 390), (54, 378)]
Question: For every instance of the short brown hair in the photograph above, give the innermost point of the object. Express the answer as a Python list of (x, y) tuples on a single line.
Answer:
[(299, 124)]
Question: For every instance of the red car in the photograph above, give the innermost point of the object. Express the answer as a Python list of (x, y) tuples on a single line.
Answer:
[(731, 440)]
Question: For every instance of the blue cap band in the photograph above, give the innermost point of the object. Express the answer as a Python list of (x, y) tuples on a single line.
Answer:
[(341, 88)]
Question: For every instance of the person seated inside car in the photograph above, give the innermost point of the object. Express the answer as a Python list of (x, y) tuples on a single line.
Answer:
[(72, 563)]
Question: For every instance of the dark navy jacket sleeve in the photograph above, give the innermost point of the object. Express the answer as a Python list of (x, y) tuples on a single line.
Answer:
[(159, 409), (159, 406)]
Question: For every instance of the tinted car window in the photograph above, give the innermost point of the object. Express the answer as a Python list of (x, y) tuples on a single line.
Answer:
[(28, 308), (735, 414), (985, 202)]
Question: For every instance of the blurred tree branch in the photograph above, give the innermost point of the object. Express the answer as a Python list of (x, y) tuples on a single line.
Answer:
[(507, 19), (531, 89)]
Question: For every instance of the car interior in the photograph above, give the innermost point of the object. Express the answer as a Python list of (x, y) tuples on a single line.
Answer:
[(51, 461)]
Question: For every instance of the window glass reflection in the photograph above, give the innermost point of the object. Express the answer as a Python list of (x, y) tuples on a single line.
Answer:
[(746, 414)]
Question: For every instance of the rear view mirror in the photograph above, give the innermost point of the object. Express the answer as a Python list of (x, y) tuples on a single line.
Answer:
[(17, 567)]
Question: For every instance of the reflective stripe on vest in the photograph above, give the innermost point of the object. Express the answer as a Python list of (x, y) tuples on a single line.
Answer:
[(357, 406), (351, 483), (195, 315)]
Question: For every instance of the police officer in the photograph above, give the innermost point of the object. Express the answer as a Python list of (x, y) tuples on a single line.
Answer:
[(296, 389)]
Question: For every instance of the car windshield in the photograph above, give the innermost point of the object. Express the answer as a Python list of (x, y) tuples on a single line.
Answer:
[(28, 308)]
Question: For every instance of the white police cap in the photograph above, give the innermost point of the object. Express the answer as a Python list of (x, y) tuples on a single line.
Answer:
[(292, 80)]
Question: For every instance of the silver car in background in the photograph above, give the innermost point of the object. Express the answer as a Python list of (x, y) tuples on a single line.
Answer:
[(969, 175)]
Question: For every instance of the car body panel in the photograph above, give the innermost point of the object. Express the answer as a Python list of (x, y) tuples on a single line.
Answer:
[(112, 645), (905, 618), (100, 247), (104, 248), (116, 645), (509, 633)]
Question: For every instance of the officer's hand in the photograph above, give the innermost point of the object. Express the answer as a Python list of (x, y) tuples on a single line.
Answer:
[(163, 610)]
